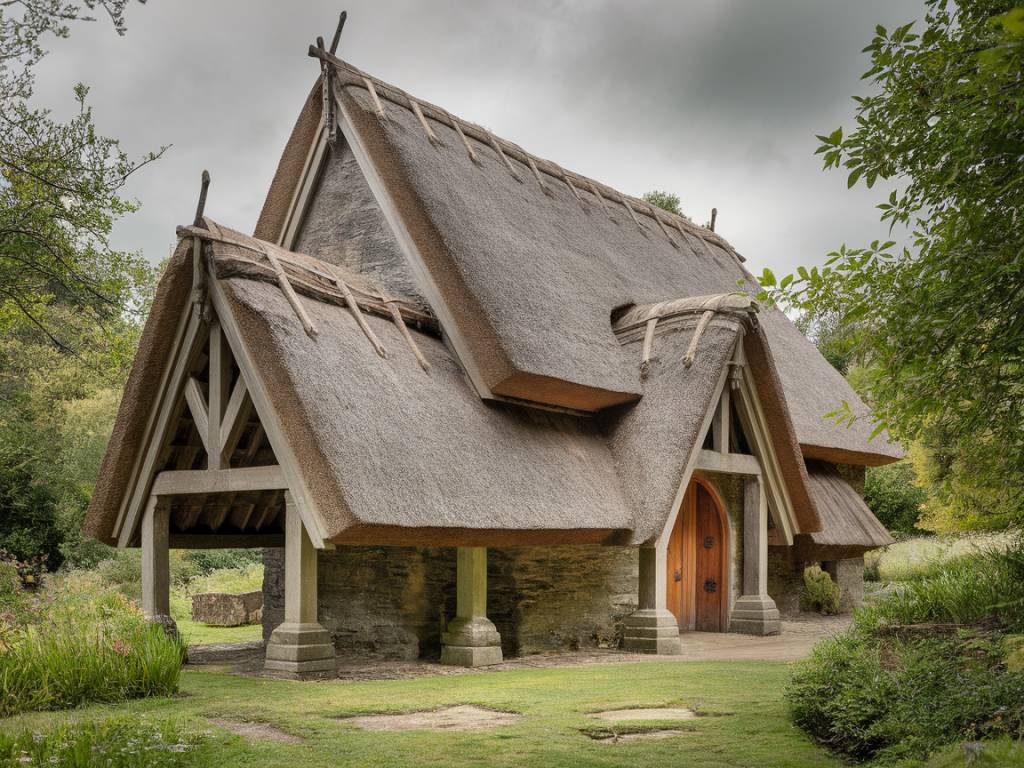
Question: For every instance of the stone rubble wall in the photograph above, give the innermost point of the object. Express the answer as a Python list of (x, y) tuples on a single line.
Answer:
[(221, 609), (391, 602)]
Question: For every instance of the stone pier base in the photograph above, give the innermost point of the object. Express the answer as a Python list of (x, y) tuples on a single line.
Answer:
[(755, 615), (300, 652), (651, 630), (471, 642)]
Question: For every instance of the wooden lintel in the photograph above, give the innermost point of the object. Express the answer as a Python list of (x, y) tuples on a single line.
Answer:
[(728, 463), (186, 482), (225, 540)]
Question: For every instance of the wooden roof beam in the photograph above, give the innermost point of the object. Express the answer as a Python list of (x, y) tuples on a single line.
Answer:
[(189, 482)]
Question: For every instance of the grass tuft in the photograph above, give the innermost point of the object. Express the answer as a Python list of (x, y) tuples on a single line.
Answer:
[(85, 644), (115, 743)]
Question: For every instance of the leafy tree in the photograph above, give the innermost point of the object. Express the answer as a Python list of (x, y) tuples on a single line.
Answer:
[(59, 189), (27, 508), (664, 200), (939, 324), (70, 304), (831, 338), (894, 496)]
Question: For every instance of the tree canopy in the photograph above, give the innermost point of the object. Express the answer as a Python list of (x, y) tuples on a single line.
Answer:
[(60, 188), (70, 304), (938, 324)]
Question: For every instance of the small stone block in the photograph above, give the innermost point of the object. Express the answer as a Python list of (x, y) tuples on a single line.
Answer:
[(318, 669), (471, 655), (651, 631)]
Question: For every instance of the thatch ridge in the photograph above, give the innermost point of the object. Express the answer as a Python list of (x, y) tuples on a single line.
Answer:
[(577, 183)]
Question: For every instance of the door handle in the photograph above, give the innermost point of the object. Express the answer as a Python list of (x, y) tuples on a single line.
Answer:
[(678, 575)]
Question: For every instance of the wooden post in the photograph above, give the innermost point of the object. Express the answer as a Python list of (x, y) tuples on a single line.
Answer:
[(472, 639), (156, 563), (471, 582), (720, 424), (755, 612), (299, 572), (299, 648), (652, 628)]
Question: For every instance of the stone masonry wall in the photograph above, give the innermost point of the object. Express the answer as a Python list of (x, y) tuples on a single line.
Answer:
[(849, 575), (391, 602)]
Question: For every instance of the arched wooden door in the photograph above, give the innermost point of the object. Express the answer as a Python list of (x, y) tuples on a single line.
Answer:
[(698, 555)]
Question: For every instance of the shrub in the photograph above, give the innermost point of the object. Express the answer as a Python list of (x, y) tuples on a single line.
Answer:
[(892, 494), (892, 698), (28, 524), (921, 668), (114, 743), (820, 594), (86, 644), (205, 561), (123, 571)]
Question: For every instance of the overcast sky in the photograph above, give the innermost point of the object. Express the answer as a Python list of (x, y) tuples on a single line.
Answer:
[(715, 101)]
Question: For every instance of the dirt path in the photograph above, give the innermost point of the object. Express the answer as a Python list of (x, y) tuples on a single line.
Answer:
[(795, 642)]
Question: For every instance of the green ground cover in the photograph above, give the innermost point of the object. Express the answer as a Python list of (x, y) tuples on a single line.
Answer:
[(746, 722)]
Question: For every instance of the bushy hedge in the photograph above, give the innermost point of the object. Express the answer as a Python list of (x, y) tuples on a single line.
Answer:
[(115, 743), (820, 593), (922, 668), (81, 643)]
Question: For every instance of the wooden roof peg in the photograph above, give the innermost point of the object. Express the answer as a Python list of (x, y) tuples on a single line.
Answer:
[(465, 141), (337, 32), (198, 267), (201, 205), (409, 340), (327, 78)]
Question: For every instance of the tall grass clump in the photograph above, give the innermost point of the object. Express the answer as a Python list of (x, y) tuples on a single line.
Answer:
[(85, 643), (920, 557), (115, 743), (921, 668)]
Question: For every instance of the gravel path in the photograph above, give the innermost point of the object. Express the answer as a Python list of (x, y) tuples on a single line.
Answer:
[(795, 642)]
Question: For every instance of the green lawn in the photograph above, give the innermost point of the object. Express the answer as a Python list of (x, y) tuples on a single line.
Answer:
[(746, 722)]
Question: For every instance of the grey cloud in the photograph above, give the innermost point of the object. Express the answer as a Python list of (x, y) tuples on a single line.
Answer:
[(716, 101)]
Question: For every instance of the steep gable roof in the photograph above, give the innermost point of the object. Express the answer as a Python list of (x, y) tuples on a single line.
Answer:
[(525, 262)]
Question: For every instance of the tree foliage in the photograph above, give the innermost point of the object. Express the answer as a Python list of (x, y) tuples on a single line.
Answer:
[(667, 201), (60, 188), (893, 495), (939, 323), (70, 304)]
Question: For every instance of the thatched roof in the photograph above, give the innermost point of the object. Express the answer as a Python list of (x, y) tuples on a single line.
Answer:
[(396, 454), (547, 284), (846, 520), (532, 259)]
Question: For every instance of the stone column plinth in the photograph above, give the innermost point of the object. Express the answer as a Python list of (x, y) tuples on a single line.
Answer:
[(755, 613), (653, 628), (471, 639), (299, 648)]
